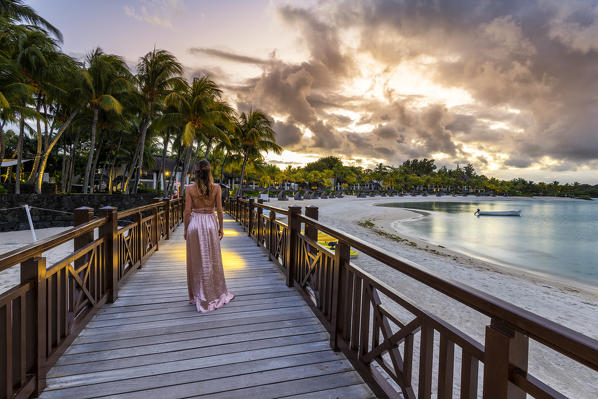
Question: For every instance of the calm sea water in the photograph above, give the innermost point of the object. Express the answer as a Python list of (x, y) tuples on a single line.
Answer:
[(555, 237)]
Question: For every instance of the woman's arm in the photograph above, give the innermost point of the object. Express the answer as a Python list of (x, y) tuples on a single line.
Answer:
[(187, 211), (219, 211)]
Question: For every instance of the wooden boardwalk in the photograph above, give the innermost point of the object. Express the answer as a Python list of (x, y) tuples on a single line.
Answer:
[(151, 343)]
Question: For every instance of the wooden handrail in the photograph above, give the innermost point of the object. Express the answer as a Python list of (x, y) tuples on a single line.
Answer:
[(20, 255), (143, 208), (560, 338), (264, 206)]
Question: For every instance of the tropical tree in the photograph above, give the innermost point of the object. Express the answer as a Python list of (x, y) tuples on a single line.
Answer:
[(15, 11), (201, 113), (158, 74), (105, 76), (255, 135)]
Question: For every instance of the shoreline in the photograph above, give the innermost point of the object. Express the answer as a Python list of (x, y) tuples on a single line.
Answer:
[(562, 282)]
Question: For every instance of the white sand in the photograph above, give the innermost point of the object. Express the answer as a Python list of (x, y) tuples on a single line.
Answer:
[(11, 240), (571, 305)]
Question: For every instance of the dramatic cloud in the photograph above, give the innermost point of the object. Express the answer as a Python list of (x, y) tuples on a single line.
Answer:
[(227, 55), (499, 84)]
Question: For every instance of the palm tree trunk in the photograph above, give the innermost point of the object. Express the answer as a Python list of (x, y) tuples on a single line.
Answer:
[(42, 166), (240, 190), (194, 160), (94, 126), (222, 167), (163, 165), (73, 160), (46, 134), (188, 153), (141, 149), (2, 143), (110, 177), (19, 156), (71, 172), (92, 173), (208, 147), (174, 170), (38, 150), (130, 170), (63, 169)]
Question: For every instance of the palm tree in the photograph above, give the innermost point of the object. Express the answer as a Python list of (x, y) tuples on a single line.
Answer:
[(159, 73), (256, 135), (106, 75), (15, 11), (201, 112)]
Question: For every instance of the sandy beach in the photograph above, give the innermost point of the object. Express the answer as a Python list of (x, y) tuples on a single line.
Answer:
[(569, 304)]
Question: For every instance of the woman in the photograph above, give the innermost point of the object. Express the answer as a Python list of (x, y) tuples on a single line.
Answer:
[(205, 276)]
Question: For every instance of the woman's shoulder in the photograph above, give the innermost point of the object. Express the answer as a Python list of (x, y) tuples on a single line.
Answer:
[(216, 187)]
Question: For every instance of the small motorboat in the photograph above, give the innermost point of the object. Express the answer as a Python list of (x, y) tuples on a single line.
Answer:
[(497, 213)]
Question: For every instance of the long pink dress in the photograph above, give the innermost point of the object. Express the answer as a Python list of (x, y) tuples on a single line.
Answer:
[(205, 274)]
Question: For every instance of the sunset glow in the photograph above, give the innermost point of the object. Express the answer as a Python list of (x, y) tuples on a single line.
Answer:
[(509, 88)]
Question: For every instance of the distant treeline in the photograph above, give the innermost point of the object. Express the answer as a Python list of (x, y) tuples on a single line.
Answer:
[(423, 175)]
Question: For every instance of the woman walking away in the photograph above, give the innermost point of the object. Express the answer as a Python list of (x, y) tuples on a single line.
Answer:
[(205, 275)]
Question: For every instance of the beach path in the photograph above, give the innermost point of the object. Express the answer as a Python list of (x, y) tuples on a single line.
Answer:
[(152, 343)]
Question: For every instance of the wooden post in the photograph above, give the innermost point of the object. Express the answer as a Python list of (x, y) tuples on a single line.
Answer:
[(503, 346), (139, 243), (82, 215), (167, 219), (109, 231), (292, 238), (250, 216), (310, 231), (271, 235), (156, 226), (259, 211), (34, 270), (342, 257)]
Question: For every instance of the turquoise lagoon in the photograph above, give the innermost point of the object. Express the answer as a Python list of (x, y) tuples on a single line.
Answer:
[(553, 237)]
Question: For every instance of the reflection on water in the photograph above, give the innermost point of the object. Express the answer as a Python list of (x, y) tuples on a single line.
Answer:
[(556, 237)]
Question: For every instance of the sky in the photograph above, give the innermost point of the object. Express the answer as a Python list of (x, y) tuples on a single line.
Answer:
[(510, 86)]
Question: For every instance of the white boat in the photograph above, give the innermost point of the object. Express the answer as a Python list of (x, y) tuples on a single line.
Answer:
[(497, 213)]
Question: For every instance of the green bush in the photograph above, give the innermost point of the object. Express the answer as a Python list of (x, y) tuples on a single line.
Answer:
[(3, 190)]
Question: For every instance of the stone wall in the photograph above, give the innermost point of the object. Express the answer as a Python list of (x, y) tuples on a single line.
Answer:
[(55, 210)]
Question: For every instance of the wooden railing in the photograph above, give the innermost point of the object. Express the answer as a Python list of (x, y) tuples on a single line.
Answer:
[(41, 316), (384, 347)]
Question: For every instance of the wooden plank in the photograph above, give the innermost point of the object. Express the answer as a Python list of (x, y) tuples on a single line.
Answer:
[(158, 358), (200, 334), (157, 369), (193, 375), (305, 385), (195, 320), (300, 314), (248, 304), (191, 312), (358, 391), (185, 345), (265, 384)]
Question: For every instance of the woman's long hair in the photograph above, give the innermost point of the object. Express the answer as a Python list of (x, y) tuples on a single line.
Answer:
[(203, 178)]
